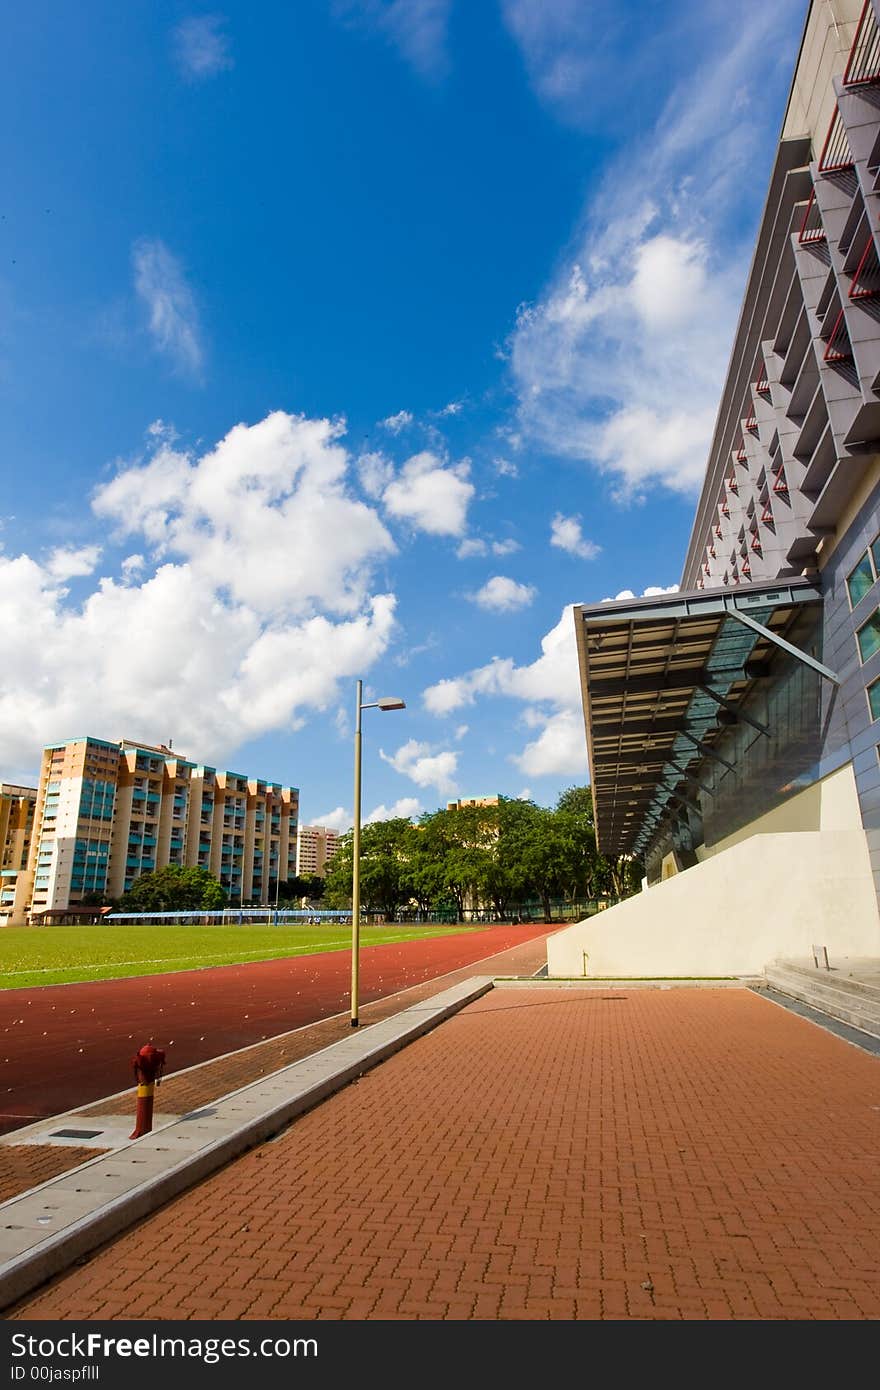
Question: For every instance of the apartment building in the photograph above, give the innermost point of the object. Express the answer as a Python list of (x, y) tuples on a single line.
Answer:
[(472, 801), (105, 813), (315, 847), (733, 729), (17, 807)]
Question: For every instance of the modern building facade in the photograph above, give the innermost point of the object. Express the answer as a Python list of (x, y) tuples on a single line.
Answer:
[(17, 807), (105, 813), (733, 729), (315, 847)]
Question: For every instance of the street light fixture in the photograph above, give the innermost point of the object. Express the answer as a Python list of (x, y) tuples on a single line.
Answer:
[(386, 703)]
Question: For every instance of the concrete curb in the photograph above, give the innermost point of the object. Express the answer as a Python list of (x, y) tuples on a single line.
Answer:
[(106, 1195)]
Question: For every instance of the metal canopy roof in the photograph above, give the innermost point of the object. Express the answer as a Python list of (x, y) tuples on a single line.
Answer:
[(661, 678)]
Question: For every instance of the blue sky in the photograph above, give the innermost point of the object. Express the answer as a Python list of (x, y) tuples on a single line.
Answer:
[(359, 338)]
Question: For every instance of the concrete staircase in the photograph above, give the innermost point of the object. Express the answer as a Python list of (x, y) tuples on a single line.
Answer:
[(847, 990)]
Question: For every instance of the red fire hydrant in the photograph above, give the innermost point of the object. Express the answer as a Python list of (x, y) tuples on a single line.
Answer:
[(148, 1063)]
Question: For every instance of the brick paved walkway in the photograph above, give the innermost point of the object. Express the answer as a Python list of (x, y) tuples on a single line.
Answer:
[(24, 1166), (547, 1153)]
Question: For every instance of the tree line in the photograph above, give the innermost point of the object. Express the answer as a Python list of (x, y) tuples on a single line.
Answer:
[(497, 857)]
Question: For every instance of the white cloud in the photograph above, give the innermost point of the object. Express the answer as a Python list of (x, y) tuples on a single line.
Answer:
[(559, 748), (566, 534), (67, 562), (460, 732), (553, 676), (132, 565), (503, 595), (408, 806), (649, 298), (423, 766), (430, 495), (452, 408), (505, 469), (173, 318), (416, 28), (550, 691), (276, 490), (471, 547), (375, 472), (651, 592), (475, 546), (201, 48), (194, 638), (401, 421), (339, 820)]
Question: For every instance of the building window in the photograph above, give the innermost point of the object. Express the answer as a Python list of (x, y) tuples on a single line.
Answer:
[(873, 694), (868, 636), (859, 582)]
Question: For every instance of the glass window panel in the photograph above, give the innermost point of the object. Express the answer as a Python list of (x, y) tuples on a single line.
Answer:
[(874, 699), (875, 554), (869, 636), (861, 579)]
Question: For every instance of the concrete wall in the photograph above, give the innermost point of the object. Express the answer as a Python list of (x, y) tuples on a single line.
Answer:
[(773, 895)]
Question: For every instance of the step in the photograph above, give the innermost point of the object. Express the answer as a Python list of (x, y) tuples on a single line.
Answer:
[(861, 1011), (839, 976)]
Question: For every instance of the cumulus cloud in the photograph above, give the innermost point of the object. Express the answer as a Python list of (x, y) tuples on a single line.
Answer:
[(471, 547), (338, 819), (566, 534), (550, 692), (501, 594), (276, 490), (431, 495), (422, 765), (201, 49), (649, 297), (66, 562), (651, 592), (375, 472), (173, 320), (408, 806), (206, 643), (475, 546), (401, 421), (504, 468)]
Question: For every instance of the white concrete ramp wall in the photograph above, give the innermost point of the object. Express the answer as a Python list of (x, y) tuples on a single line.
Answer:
[(771, 895)]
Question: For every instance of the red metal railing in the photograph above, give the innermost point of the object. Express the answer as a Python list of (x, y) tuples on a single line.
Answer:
[(780, 484), (836, 153), (866, 281), (762, 385), (811, 227), (864, 56), (752, 424), (745, 567), (718, 530), (756, 544), (731, 483), (839, 348), (767, 516), (724, 509), (741, 455)]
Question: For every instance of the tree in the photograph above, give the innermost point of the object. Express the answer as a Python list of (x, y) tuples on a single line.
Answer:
[(384, 868), (174, 889)]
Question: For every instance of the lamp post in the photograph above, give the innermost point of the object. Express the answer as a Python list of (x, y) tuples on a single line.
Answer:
[(388, 702)]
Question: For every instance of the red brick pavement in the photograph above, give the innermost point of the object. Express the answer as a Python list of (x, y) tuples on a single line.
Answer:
[(547, 1153)]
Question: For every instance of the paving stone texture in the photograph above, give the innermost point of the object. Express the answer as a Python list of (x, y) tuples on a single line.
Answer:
[(546, 1153)]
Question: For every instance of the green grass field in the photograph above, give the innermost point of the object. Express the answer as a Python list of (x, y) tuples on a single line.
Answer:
[(65, 955)]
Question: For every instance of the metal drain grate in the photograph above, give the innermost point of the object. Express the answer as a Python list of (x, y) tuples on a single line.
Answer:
[(75, 1133)]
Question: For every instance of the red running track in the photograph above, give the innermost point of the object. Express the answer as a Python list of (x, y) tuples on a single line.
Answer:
[(62, 1046)]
